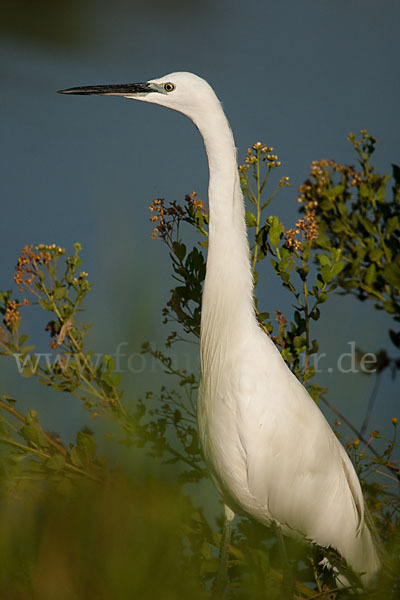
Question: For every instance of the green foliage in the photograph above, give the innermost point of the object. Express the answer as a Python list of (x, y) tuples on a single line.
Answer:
[(259, 156), (184, 305), (356, 217), (35, 459), (129, 536), (69, 368), (173, 411)]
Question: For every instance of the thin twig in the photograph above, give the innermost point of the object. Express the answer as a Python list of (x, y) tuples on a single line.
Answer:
[(52, 442), (349, 424), (41, 454), (371, 403)]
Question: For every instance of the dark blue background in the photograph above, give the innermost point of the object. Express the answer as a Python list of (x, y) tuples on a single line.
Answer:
[(296, 75)]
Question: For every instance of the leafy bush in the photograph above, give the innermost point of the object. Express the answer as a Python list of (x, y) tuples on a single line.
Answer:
[(73, 521)]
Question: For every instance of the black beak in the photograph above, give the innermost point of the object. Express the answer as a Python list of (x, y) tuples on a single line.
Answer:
[(111, 90)]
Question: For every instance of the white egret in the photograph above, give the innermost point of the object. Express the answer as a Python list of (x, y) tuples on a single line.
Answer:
[(270, 450)]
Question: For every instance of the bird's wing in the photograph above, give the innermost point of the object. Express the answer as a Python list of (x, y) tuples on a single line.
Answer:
[(297, 470)]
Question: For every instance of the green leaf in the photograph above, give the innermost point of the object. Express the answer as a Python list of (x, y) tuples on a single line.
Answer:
[(323, 241), (381, 193), (9, 399), (262, 316), (389, 307), (251, 220), (391, 226), (316, 390), (59, 292), (286, 355), (33, 434), (285, 277), (110, 363), (26, 350), (28, 372), (86, 444), (324, 260), (275, 231), (336, 191), (368, 226), (5, 296), (75, 457), (309, 373), (303, 272), (315, 314), (375, 254), (325, 205), (282, 265), (392, 275), (179, 249), (337, 268), (56, 462), (22, 339), (370, 274), (46, 304), (337, 226), (298, 341), (107, 382), (364, 190), (326, 274), (199, 218), (297, 317), (335, 254)]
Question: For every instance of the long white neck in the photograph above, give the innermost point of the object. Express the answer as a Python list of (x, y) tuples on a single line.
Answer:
[(227, 305)]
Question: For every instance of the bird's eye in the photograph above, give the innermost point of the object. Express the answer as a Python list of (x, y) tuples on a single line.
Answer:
[(169, 87)]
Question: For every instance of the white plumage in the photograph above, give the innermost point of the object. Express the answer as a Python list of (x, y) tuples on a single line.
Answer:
[(270, 450)]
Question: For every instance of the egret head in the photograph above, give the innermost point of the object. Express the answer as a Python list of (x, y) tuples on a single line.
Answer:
[(184, 92)]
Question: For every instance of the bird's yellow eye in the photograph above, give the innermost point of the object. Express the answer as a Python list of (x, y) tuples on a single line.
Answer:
[(169, 87)]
